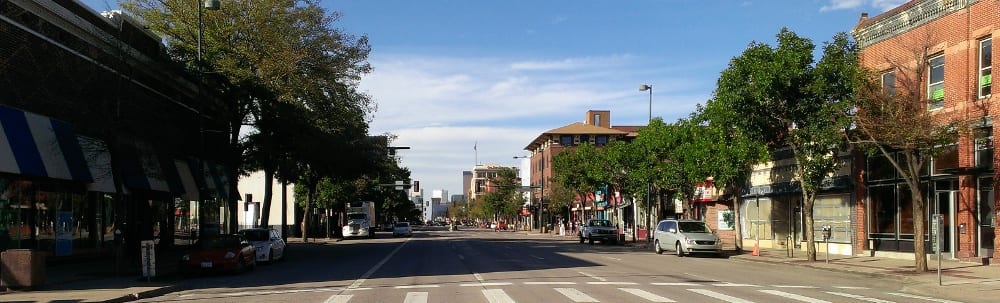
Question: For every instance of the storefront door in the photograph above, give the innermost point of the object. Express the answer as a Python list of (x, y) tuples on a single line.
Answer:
[(987, 217), (944, 201)]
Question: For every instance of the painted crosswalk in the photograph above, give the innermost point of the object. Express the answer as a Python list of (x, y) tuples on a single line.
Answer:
[(583, 293)]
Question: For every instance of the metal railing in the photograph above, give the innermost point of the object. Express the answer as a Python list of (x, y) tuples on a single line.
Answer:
[(903, 21)]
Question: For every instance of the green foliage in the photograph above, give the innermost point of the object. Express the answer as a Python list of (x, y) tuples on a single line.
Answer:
[(504, 199)]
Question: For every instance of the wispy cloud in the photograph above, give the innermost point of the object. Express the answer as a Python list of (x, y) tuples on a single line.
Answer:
[(880, 5), (441, 106)]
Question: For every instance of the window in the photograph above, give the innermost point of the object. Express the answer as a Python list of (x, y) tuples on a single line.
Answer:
[(985, 67), (882, 211), (935, 82), (566, 140), (946, 160), (602, 140), (584, 139), (984, 147), (879, 168), (597, 119), (889, 83)]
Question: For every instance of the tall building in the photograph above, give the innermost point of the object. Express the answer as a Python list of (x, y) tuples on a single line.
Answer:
[(953, 39), (467, 183), (481, 176)]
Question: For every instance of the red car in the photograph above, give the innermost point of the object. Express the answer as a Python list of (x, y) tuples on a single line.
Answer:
[(219, 253)]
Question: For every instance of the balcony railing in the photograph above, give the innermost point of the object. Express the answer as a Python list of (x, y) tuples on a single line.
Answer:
[(905, 20)]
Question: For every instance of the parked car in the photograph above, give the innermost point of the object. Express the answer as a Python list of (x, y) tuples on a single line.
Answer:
[(402, 229), (686, 237), (219, 253), (385, 226), (268, 243), (598, 230)]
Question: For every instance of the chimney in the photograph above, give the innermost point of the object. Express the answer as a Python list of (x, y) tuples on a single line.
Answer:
[(864, 16)]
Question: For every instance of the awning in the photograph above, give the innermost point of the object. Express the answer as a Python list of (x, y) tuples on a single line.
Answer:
[(35, 145), (145, 170), (216, 181), (98, 159), (187, 180)]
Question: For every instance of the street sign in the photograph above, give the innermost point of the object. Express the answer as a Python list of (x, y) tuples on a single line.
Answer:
[(936, 221)]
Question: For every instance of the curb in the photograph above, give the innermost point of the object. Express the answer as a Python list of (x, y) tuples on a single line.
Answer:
[(150, 293), (820, 267)]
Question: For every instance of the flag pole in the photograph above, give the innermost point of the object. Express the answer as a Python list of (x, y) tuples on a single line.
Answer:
[(475, 149)]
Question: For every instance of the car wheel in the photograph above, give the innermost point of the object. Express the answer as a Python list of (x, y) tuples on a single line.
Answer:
[(657, 248), (241, 266), (270, 256), (590, 241), (581, 239), (679, 249)]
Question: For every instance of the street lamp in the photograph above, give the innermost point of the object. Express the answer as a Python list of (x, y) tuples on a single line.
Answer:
[(213, 5), (649, 190)]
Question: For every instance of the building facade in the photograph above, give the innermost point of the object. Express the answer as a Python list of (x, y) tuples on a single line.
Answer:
[(954, 40)]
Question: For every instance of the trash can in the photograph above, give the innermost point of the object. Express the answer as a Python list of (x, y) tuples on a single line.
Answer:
[(22, 268)]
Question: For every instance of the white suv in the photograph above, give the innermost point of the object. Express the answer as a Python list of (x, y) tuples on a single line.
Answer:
[(686, 237)]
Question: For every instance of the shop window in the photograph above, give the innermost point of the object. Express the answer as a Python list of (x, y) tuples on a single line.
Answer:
[(566, 140), (946, 160), (758, 224), (834, 211), (935, 82), (985, 67), (602, 140), (879, 168), (882, 211), (984, 147)]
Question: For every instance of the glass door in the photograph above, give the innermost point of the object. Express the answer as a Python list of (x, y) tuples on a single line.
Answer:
[(986, 217)]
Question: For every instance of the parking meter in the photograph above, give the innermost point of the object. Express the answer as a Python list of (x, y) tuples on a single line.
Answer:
[(827, 229)]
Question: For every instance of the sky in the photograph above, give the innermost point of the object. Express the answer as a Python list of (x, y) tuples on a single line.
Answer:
[(466, 82)]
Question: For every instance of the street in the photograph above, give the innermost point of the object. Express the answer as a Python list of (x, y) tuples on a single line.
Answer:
[(485, 266)]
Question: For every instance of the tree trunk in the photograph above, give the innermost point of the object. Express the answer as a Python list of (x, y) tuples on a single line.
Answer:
[(305, 215), (737, 226), (265, 208), (919, 249), (807, 212)]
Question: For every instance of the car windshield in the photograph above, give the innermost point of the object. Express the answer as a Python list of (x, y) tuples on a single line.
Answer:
[(219, 242), (600, 223), (402, 224), (694, 227), (255, 234)]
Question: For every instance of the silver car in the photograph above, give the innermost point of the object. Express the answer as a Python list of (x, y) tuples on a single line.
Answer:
[(268, 242), (686, 237)]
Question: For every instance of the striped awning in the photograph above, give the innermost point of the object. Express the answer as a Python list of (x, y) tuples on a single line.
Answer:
[(216, 180), (144, 169), (98, 159), (189, 184), (36, 145)]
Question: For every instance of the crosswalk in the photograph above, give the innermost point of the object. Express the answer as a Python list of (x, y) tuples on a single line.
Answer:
[(686, 293)]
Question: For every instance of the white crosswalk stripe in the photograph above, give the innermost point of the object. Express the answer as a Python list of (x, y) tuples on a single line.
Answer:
[(339, 299), (415, 297), (719, 296), (646, 295), (576, 295), (793, 296), (862, 298), (497, 296), (922, 298)]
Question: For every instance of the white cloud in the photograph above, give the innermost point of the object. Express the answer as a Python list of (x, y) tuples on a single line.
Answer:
[(441, 107), (880, 5)]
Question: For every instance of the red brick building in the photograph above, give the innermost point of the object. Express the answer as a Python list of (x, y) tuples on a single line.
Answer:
[(950, 41)]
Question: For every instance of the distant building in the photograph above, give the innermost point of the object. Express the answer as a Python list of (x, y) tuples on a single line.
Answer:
[(481, 176), (467, 183)]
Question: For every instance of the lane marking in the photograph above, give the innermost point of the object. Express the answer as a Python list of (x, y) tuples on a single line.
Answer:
[(537, 257), (613, 258), (485, 284), (415, 297), (417, 286), (339, 299), (497, 296), (549, 283), (575, 295), (862, 298), (793, 296), (592, 276), (922, 298), (357, 283), (851, 287), (675, 284), (266, 292), (727, 284), (646, 295), (719, 296), (478, 277), (612, 283), (793, 286)]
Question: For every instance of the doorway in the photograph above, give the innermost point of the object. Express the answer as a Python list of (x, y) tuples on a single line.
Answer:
[(986, 222), (945, 195)]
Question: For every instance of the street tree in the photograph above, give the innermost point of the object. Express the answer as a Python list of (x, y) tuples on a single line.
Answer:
[(896, 120), (575, 169), (781, 96)]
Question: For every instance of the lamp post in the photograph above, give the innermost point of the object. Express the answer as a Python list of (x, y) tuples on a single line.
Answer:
[(649, 190), (210, 5)]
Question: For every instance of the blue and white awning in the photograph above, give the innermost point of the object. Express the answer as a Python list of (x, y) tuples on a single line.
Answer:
[(35, 145)]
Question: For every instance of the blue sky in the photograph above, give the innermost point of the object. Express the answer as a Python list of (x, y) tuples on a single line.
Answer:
[(451, 74)]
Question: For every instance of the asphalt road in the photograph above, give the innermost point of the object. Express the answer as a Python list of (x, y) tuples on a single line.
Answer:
[(505, 267)]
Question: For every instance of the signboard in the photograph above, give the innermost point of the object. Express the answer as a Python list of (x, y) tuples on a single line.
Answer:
[(726, 220), (936, 233), (148, 258)]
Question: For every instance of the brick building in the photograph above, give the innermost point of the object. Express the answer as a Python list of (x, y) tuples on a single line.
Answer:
[(953, 39)]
